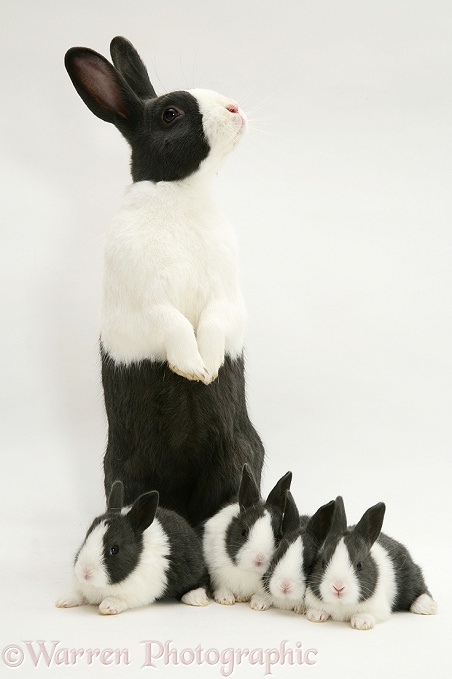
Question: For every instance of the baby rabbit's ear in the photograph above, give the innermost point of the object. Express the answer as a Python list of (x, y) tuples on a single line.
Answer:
[(291, 520), (102, 88), (142, 512), (248, 492), (320, 523), (128, 63), (339, 521), (369, 526), (277, 497), (116, 498)]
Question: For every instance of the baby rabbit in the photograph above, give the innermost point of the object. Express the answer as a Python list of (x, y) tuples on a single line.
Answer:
[(136, 555), (173, 315), (284, 583), (363, 575), (239, 541)]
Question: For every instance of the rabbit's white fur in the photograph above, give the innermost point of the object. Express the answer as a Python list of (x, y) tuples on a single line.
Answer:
[(236, 581), (362, 614), (171, 289)]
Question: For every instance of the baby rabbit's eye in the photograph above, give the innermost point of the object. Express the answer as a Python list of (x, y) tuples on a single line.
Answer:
[(244, 532), (323, 563), (113, 550), (171, 114), (359, 566)]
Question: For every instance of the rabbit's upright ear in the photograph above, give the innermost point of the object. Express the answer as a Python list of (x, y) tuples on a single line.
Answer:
[(129, 64), (102, 88), (291, 520), (116, 498), (142, 512), (319, 524), (369, 526), (339, 520), (249, 492), (277, 497)]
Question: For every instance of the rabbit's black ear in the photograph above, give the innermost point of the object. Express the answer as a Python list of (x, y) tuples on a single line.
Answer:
[(319, 525), (130, 66), (369, 526), (249, 492), (116, 498), (291, 520), (277, 496), (102, 88), (339, 520), (142, 512)]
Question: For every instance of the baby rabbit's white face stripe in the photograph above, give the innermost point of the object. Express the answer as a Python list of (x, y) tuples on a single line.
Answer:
[(258, 550), (89, 566), (287, 579), (340, 583)]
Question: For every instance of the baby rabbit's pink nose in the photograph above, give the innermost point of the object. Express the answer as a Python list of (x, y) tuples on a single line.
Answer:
[(259, 560), (233, 108), (87, 572), (285, 586), (339, 587)]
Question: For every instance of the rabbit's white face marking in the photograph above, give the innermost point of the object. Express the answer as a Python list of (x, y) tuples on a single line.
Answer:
[(287, 580), (340, 584), (224, 125), (89, 566), (256, 553)]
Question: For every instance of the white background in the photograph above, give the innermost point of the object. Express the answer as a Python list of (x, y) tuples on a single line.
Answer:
[(341, 199)]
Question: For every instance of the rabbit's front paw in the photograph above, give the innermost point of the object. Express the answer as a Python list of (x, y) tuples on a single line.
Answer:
[(112, 606), (260, 602), (316, 616), (363, 621), (224, 597), (70, 600), (196, 597), (192, 368)]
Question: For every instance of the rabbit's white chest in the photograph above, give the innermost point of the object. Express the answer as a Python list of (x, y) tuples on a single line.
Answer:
[(167, 250)]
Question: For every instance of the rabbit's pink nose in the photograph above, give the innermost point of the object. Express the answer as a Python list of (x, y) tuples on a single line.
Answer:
[(339, 588), (87, 573), (259, 560), (285, 586), (233, 108)]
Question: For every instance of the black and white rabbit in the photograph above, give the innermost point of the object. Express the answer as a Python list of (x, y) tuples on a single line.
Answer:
[(284, 583), (173, 314), (363, 575), (133, 556), (239, 541)]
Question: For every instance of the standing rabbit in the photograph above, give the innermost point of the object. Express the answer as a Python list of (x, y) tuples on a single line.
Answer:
[(173, 315)]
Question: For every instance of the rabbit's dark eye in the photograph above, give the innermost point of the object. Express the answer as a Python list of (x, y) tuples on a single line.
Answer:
[(359, 566), (244, 532), (171, 114), (113, 550), (323, 563)]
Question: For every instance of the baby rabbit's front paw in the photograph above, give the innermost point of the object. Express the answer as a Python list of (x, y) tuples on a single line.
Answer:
[(260, 602), (316, 616), (112, 606), (363, 621), (224, 597), (70, 600)]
